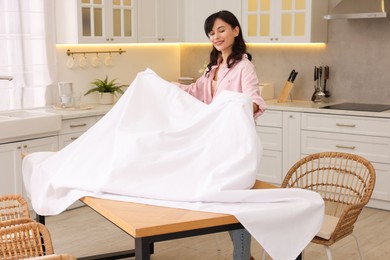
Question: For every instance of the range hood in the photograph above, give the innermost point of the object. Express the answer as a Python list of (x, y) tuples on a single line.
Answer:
[(358, 9)]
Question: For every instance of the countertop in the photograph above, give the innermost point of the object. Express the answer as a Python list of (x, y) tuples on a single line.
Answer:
[(296, 105), (310, 107), (85, 111)]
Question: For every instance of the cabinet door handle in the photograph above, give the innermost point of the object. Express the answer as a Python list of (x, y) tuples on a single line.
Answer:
[(345, 125), (80, 125), (346, 147), (73, 138)]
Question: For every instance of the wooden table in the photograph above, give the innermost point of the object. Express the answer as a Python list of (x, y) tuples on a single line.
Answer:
[(148, 224)]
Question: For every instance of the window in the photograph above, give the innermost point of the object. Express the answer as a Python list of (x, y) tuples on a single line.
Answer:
[(27, 53)]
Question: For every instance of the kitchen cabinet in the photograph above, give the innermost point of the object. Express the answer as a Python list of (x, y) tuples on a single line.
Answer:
[(269, 130), (280, 151), (160, 20), (11, 157), (284, 21), (96, 21), (73, 128), (290, 134), (291, 146), (196, 12), (366, 136)]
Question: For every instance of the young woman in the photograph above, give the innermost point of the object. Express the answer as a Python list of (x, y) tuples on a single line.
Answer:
[(230, 68)]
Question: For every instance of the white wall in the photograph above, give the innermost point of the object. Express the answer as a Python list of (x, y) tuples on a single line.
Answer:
[(163, 59)]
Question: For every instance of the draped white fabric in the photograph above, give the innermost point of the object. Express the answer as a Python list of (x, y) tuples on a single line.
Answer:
[(27, 52), (159, 145)]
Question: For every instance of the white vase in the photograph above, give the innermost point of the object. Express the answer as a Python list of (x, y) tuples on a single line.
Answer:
[(106, 98)]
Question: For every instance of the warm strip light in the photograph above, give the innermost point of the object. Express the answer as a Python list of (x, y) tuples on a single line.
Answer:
[(303, 45), (116, 45), (206, 44)]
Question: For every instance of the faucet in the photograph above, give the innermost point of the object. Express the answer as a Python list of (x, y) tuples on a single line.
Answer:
[(9, 78)]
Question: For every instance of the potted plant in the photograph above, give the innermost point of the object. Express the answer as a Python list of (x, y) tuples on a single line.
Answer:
[(107, 90)]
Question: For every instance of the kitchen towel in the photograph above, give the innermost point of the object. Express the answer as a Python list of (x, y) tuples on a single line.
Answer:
[(159, 145)]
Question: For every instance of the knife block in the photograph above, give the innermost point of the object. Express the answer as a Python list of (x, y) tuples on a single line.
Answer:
[(286, 90)]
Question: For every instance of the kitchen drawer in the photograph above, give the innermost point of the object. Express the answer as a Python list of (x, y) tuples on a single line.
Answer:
[(270, 118), (65, 139), (271, 167), (270, 137), (77, 125), (375, 149), (346, 124)]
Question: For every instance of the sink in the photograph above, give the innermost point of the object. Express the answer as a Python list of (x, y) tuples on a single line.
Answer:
[(21, 114), (19, 123)]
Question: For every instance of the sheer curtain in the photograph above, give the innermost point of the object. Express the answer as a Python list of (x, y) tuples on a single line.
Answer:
[(27, 53)]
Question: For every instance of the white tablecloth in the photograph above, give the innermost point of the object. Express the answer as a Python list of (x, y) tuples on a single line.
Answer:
[(159, 145)]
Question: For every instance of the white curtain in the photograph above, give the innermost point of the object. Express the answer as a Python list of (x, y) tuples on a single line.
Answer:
[(27, 53)]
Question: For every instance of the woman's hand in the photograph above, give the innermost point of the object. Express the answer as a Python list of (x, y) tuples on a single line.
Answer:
[(255, 108)]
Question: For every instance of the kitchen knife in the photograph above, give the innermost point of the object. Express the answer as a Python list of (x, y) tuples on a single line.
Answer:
[(291, 75), (326, 77), (294, 76), (313, 97)]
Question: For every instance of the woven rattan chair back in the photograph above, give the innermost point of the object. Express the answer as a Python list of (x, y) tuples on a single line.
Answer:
[(345, 182), (13, 207), (55, 257), (25, 240)]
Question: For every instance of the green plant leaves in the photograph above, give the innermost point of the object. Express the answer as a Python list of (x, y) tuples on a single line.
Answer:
[(105, 86)]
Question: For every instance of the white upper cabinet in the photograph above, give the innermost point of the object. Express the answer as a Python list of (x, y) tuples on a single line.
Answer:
[(96, 21), (160, 20), (196, 12), (284, 21)]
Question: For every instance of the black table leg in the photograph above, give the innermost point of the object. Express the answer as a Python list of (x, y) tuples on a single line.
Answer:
[(40, 219), (142, 249)]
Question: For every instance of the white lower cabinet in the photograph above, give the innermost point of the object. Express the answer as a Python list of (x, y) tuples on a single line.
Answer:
[(11, 157), (381, 195), (269, 130), (291, 140), (73, 128), (288, 136), (368, 137)]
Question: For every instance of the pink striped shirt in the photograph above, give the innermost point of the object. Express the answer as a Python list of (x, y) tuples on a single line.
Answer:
[(241, 77)]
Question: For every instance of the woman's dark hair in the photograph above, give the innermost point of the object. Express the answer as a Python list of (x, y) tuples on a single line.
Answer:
[(239, 46)]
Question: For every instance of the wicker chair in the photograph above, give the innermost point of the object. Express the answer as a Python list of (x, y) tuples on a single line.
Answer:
[(13, 207), (345, 182), (54, 257), (24, 238)]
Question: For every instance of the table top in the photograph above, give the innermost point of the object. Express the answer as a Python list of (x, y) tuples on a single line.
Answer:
[(141, 220)]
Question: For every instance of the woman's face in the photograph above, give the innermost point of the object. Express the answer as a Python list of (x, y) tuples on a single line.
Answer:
[(222, 36)]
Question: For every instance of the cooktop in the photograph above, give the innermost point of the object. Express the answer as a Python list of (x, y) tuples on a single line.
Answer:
[(359, 107)]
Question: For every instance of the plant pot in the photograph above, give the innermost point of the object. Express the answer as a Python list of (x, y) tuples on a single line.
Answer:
[(106, 98)]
